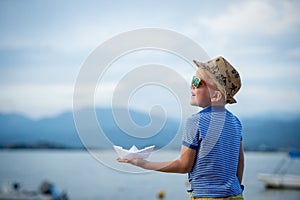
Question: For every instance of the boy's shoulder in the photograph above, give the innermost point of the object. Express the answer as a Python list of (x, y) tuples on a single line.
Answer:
[(193, 117), (233, 116)]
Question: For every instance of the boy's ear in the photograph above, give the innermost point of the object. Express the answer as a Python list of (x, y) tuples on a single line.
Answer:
[(216, 96)]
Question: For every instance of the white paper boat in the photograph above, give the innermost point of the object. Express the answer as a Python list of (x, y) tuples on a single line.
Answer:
[(134, 152)]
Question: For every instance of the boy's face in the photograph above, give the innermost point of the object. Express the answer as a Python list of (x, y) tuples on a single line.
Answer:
[(200, 96)]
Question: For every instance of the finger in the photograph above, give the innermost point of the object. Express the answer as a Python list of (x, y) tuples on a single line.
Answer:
[(122, 160)]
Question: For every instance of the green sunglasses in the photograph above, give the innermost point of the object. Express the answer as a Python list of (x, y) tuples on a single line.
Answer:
[(197, 82)]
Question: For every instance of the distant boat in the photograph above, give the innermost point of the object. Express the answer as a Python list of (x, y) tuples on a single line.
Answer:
[(47, 191), (280, 179)]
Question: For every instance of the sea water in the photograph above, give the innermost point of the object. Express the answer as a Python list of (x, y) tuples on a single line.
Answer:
[(84, 177)]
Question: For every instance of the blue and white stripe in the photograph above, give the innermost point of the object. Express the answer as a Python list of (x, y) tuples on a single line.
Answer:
[(216, 134)]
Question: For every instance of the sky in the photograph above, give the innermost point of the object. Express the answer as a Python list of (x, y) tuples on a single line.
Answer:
[(44, 44)]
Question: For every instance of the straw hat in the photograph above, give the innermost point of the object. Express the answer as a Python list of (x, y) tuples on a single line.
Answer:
[(223, 75)]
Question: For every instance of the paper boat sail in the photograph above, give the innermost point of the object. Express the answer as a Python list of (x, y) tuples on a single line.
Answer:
[(134, 152)]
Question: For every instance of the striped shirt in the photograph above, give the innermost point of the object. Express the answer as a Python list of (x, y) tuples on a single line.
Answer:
[(215, 133)]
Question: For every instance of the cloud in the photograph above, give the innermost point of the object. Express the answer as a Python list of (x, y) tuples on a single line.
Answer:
[(69, 28), (42, 51), (255, 17), (294, 53), (262, 100), (56, 26), (269, 73), (83, 37), (36, 100)]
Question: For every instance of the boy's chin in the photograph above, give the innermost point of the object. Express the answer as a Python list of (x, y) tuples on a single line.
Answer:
[(192, 103)]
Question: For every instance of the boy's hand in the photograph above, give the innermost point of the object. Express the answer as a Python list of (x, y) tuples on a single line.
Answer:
[(135, 161)]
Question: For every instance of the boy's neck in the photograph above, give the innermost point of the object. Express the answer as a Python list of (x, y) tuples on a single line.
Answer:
[(216, 107), (215, 104)]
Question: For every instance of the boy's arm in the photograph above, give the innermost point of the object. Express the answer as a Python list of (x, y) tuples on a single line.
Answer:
[(240, 169), (183, 165)]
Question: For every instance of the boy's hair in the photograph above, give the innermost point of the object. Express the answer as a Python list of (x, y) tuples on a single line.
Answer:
[(224, 75)]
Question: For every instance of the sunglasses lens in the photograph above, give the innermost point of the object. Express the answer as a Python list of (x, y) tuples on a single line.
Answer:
[(196, 81)]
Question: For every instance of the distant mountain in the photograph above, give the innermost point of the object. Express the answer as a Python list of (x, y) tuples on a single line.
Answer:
[(271, 134), (17, 131)]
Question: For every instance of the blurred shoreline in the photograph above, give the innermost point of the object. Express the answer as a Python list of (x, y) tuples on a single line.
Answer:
[(55, 146)]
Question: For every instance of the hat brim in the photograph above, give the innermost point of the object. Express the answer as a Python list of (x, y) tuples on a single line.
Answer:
[(210, 76)]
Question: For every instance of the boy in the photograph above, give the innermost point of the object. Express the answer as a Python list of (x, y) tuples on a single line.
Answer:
[(212, 151)]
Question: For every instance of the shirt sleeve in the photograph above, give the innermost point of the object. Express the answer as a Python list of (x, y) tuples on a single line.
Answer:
[(191, 132)]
